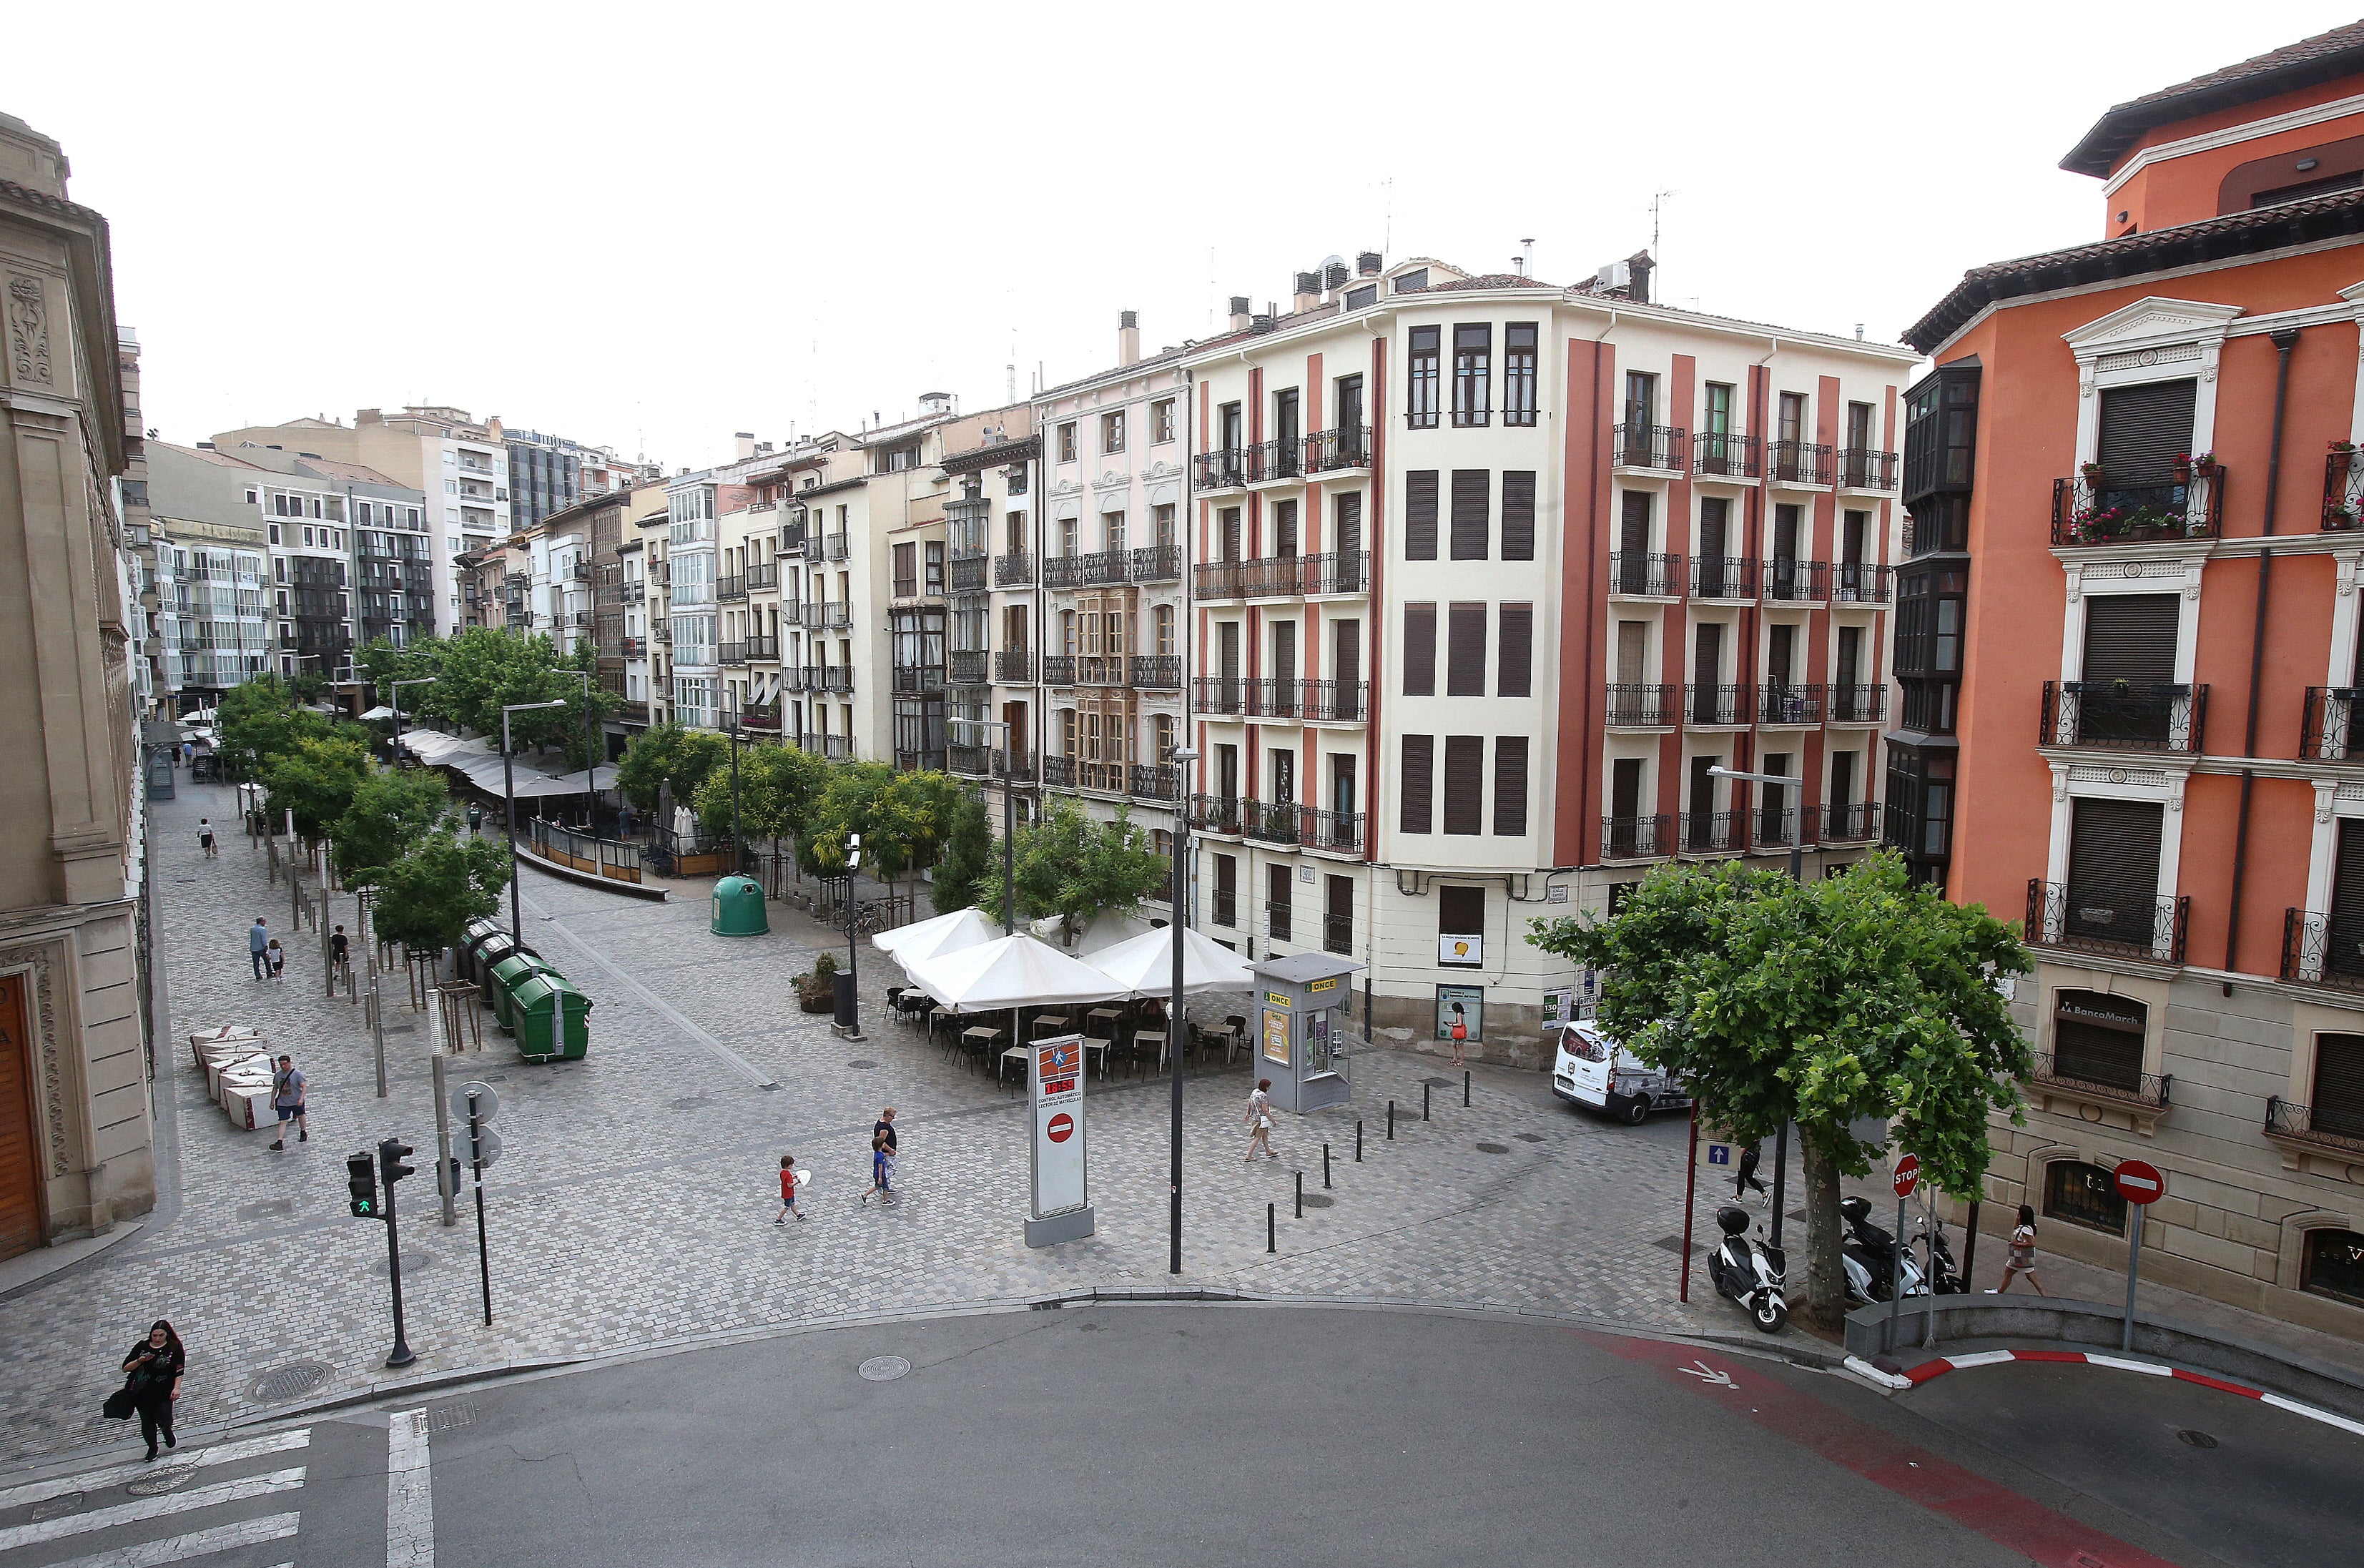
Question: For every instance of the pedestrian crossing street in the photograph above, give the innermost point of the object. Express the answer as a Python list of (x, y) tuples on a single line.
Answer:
[(240, 1502)]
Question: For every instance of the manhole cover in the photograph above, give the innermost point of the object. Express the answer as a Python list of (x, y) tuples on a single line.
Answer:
[(57, 1508), (171, 1479), (451, 1415), (1528, 1137), (269, 1209), (411, 1262), (687, 1103), (1318, 1200), (2197, 1439), (1673, 1244), (294, 1379), (1493, 1149), (883, 1369), (862, 1066)]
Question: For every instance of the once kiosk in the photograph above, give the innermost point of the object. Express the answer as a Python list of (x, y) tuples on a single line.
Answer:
[(1294, 1045)]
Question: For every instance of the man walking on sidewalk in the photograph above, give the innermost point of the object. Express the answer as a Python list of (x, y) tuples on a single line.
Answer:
[(258, 942), (288, 1099)]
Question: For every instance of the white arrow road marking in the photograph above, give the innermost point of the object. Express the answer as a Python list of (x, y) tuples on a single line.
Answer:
[(409, 1493), (150, 1509), (92, 1481), (1708, 1375), (204, 1542)]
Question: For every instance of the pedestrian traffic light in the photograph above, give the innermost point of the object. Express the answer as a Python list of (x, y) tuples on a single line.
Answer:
[(361, 1180), (391, 1153)]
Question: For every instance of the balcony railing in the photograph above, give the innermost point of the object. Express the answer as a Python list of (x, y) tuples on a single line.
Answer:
[(1712, 704), (1152, 781), (1334, 701), (2106, 920), (1642, 708), (1225, 902), (912, 680), (1338, 571), (727, 589), (1219, 693), (2323, 949), (1861, 468), (1338, 934), (815, 611), (1861, 582), (1217, 814), (1634, 837), (1273, 577), (636, 590), (2340, 1129), (1063, 571), (2343, 490), (1106, 566), (1722, 455), (1157, 563), (1776, 827), (793, 537), (1337, 832), (1713, 832), (1215, 579), (2097, 508), (1647, 446), (1269, 462), (837, 614), (1059, 668), (1645, 576), (837, 748), (731, 653), (1779, 702), (967, 666), (1272, 821), (1223, 468), (1798, 463), (792, 679), (2124, 715), (765, 648), (1797, 582), (632, 711), (1014, 667), (1854, 823), (1723, 577), (1058, 772), (1158, 672), (765, 717), (1015, 569), (1349, 446), (763, 576), (840, 548), (2330, 731), (1858, 705), (829, 677), (2081, 1073), (966, 574)]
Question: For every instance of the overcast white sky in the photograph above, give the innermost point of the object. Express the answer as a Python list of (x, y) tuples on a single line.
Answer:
[(650, 226)]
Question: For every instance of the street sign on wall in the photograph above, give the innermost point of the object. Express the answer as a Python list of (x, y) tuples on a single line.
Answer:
[(1058, 1083)]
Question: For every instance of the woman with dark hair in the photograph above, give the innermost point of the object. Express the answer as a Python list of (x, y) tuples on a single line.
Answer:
[(2021, 1260), (156, 1365)]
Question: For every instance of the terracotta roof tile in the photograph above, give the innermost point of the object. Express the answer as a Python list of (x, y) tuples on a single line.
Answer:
[(2323, 57)]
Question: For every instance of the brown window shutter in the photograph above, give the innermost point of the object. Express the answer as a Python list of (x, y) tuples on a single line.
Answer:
[(1510, 786), (1420, 650), (1420, 513), (1514, 666), (1465, 651), (1465, 784), (1473, 495), (1517, 514), (1418, 786)]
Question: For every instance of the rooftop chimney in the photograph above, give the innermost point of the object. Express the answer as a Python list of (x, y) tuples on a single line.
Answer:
[(746, 439), (1334, 275), (1128, 337), (1309, 292), (1641, 267), (1239, 313), (1368, 263)]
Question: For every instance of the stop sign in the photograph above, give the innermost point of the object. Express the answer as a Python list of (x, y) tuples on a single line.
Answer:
[(1908, 1174), (2138, 1182)]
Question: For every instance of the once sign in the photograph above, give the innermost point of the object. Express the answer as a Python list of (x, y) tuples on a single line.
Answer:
[(2139, 1182), (1058, 1083), (1908, 1174)]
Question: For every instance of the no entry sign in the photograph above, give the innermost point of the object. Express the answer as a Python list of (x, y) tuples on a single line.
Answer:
[(1061, 1127), (2139, 1182), (1908, 1174)]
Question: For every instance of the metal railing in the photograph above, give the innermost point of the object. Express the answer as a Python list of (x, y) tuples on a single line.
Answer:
[(1723, 577), (967, 666), (2090, 1072), (1779, 702), (1862, 582), (765, 647), (1157, 563), (2106, 921), (840, 548), (1634, 837), (762, 575), (792, 539), (1713, 832), (2343, 490), (731, 653), (966, 574), (1348, 445), (636, 648), (1063, 571), (1215, 579), (1641, 707), (727, 589), (1217, 814), (1014, 667), (1777, 827), (2322, 950), (1338, 934), (2097, 508), (829, 677), (1272, 821), (1858, 705), (1015, 569), (1156, 672), (1854, 823), (1798, 463), (1226, 905), (1058, 771), (1337, 832), (1647, 446), (1724, 455), (1863, 468), (1338, 571), (2327, 733), (1645, 575), (837, 614), (2339, 1129), (2124, 715), (1270, 461), (1279, 919), (1273, 577), (765, 716), (1219, 693), (618, 859), (1222, 469), (1152, 781), (1334, 701), (1058, 669), (1788, 581), (1705, 703), (792, 678), (1107, 566)]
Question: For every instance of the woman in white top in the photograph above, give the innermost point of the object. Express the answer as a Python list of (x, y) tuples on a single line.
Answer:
[(2023, 1253), (1259, 1120)]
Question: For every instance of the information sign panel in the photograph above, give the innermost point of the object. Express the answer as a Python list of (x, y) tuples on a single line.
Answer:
[(1058, 1085)]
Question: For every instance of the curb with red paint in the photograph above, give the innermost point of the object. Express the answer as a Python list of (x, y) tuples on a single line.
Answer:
[(1914, 1377)]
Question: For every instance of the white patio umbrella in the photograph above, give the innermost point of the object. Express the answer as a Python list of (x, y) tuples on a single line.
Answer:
[(1145, 965), (1105, 931), (940, 934), (1010, 972)]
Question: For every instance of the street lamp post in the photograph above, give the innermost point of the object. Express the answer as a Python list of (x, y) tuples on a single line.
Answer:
[(1797, 873), (509, 791), (1175, 1039), (730, 728)]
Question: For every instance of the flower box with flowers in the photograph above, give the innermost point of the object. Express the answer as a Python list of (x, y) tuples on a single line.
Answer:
[(2102, 524)]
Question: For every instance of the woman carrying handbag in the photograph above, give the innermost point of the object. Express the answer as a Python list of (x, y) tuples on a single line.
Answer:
[(155, 1365)]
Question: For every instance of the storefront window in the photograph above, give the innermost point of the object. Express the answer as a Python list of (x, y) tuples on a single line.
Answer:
[(2083, 1195), (2332, 1265)]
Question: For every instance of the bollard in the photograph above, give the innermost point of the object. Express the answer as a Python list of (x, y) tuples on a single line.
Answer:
[(1391, 1121), (1271, 1212), (1424, 1089), (1358, 1140), (1300, 1195), (1464, 1091), (1325, 1165)]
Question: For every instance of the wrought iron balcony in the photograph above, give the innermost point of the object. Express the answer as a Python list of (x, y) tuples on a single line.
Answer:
[(2124, 715), (1635, 838), (1275, 461), (632, 711), (840, 548), (1777, 827), (731, 653), (1721, 454), (1781, 702), (814, 612), (1215, 579), (1862, 468), (1642, 708), (792, 678), (1858, 705), (1058, 669), (1015, 569), (1217, 814), (763, 576), (829, 677), (1014, 667), (2106, 920), (1274, 821), (1107, 566), (2330, 729), (1219, 693), (2338, 1130), (727, 589), (765, 716), (1798, 463), (1157, 563), (1348, 445), (837, 614), (1058, 772), (2323, 949), (1338, 571), (792, 612), (1158, 672), (2082, 1073), (1152, 781), (1334, 701), (1797, 582), (1857, 823), (966, 574), (1223, 468), (1723, 577), (2343, 489), (1333, 832), (765, 648), (1713, 832), (2103, 508), (1338, 934), (1713, 705), (1645, 576), (1862, 582), (1647, 446), (970, 761), (967, 666), (1063, 571), (1273, 577)]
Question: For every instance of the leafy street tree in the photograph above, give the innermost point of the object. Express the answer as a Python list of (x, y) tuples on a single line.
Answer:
[(967, 855), (262, 720), (777, 788), (316, 781), (391, 811), (850, 804), (666, 753), (1859, 996), (426, 898), (380, 661), (1072, 867)]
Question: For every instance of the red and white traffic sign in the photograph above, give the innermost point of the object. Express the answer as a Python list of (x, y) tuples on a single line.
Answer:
[(1061, 1127), (2138, 1182), (1908, 1174)]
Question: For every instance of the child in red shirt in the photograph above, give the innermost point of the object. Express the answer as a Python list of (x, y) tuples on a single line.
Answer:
[(790, 1178)]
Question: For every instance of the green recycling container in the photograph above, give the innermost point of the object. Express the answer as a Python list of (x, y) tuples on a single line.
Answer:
[(739, 907), (553, 1017), (501, 989)]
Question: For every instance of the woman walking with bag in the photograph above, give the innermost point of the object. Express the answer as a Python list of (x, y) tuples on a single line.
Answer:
[(156, 1365), (2023, 1253), (1259, 1120)]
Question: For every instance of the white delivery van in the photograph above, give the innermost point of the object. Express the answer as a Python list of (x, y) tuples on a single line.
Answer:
[(1591, 1068)]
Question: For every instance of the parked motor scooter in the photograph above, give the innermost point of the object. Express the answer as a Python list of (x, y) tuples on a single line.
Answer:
[(1872, 1258), (1748, 1270), (1944, 1275)]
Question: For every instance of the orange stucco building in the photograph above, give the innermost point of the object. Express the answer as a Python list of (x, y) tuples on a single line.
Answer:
[(2126, 647)]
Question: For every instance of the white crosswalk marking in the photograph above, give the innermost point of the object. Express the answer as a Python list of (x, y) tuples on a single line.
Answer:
[(114, 1476), (155, 1508), (201, 1543), (409, 1493)]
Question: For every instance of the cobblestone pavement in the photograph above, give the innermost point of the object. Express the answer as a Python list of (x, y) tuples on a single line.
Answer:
[(634, 1202)]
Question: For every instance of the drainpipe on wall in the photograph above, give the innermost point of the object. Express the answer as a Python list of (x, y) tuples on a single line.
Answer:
[(2284, 341)]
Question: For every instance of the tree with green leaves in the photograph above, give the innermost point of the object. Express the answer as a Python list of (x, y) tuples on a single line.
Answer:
[(669, 754), (391, 811), (316, 781), (1861, 996), (777, 788), (260, 720), (1074, 868), (426, 898), (968, 858), (849, 803)]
